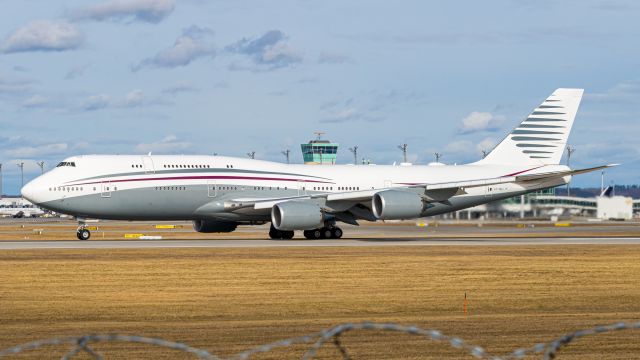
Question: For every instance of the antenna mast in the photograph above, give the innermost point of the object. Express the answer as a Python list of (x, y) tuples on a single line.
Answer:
[(403, 147)]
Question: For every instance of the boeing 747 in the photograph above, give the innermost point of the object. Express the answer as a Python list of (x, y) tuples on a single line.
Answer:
[(219, 193)]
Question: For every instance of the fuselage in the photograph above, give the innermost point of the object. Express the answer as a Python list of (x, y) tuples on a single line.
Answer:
[(181, 187)]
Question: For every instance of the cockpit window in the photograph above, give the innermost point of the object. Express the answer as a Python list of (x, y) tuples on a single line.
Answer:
[(67, 163)]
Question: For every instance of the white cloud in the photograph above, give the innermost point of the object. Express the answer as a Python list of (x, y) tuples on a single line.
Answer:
[(352, 114), (134, 98), (42, 35), (96, 102), (151, 11), (194, 43), (267, 52), (35, 101), (38, 150), (459, 147), (480, 121), (486, 144), (167, 145)]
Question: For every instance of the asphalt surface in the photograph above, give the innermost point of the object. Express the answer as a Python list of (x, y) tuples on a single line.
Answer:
[(159, 244)]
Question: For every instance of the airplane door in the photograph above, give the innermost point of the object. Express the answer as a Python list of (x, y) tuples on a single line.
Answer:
[(212, 188), (105, 189), (148, 165)]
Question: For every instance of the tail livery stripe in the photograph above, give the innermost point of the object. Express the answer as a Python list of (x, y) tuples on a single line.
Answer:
[(549, 124)]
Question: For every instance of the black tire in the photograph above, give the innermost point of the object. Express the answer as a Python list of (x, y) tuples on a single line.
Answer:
[(326, 233), (336, 233), (84, 234), (287, 235), (274, 234), (316, 234), (308, 234)]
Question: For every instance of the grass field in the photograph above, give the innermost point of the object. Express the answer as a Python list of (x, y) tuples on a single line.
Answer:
[(229, 300)]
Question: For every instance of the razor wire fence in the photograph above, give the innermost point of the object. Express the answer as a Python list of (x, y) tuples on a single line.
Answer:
[(316, 341)]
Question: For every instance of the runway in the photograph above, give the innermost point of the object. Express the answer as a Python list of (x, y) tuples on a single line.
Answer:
[(160, 244)]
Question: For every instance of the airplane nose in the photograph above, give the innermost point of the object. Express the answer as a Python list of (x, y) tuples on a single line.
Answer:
[(30, 192)]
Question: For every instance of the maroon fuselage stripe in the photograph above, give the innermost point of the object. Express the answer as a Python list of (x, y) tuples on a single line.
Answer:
[(200, 178), (523, 171)]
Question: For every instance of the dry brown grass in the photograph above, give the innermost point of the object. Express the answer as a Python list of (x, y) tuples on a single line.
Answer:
[(228, 300)]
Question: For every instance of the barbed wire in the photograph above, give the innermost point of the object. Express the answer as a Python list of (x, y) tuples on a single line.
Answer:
[(81, 344)]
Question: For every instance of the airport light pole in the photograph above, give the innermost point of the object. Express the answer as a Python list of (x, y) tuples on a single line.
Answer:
[(570, 150), (41, 164), (354, 150), (286, 154), (21, 166), (403, 147), (438, 156), (484, 153), (251, 155)]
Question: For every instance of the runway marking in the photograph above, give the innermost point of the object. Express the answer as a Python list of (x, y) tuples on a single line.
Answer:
[(159, 244)]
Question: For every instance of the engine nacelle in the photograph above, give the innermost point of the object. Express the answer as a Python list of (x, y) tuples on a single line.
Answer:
[(213, 226), (296, 215), (394, 204)]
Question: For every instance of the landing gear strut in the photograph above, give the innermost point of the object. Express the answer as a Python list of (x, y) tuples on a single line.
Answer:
[(276, 234), (83, 233), (327, 232)]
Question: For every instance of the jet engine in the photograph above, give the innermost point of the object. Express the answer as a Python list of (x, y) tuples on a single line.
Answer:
[(213, 226), (296, 215), (394, 204)]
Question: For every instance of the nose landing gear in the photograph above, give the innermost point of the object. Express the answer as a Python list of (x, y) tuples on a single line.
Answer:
[(82, 233)]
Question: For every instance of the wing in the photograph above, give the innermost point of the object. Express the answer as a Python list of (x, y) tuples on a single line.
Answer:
[(349, 205)]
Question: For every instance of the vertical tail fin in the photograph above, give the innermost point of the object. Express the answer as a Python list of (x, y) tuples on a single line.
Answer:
[(541, 138)]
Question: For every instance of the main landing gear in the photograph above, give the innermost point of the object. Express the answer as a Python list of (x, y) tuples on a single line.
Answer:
[(333, 232), (276, 234), (327, 232), (83, 233)]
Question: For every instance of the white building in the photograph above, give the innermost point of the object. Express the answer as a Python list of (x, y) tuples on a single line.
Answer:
[(614, 207)]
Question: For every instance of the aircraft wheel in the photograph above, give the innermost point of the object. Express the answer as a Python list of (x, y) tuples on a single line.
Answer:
[(314, 234), (83, 234), (326, 233), (274, 233), (336, 233)]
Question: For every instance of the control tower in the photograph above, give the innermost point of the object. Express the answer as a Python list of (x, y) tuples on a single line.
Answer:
[(319, 151)]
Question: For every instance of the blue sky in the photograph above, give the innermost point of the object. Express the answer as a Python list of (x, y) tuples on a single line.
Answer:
[(198, 77)]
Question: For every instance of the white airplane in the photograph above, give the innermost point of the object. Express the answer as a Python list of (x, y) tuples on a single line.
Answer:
[(20, 210), (218, 193)]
